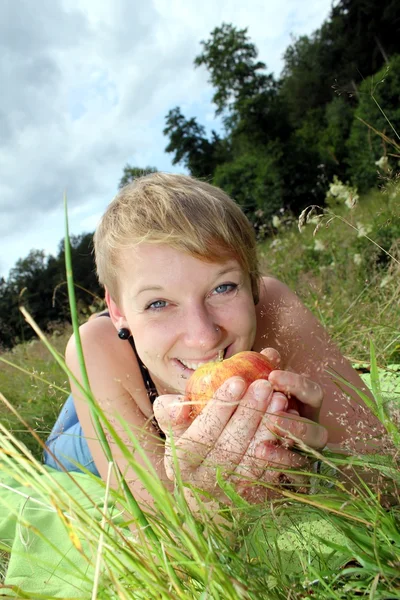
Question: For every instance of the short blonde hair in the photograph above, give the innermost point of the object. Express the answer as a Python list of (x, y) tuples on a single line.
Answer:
[(182, 212)]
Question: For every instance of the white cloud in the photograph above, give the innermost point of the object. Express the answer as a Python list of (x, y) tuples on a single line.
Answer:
[(86, 85)]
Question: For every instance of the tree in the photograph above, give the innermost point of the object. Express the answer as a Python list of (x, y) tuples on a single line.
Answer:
[(188, 142), (253, 180), (230, 58), (132, 173), (28, 284), (38, 282), (356, 41), (374, 135)]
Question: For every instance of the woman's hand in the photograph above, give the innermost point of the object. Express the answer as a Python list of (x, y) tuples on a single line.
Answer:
[(307, 392), (236, 431)]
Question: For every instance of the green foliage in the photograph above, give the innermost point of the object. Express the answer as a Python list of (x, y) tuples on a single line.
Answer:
[(310, 116), (38, 282), (253, 181), (306, 79), (230, 58), (344, 278), (352, 44), (372, 135), (189, 144), (332, 138), (31, 380), (131, 173)]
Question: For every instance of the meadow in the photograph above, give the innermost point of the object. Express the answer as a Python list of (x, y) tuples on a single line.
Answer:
[(344, 537)]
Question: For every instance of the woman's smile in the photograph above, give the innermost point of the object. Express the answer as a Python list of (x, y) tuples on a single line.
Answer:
[(194, 364)]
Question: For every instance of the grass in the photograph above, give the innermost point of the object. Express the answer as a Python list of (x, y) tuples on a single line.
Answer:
[(340, 541), (35, 385), (350, 285)]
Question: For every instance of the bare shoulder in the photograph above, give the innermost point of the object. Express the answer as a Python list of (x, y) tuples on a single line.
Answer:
[(98, 338), (273, 290), (111, 364), (278, 308), (285, 323)]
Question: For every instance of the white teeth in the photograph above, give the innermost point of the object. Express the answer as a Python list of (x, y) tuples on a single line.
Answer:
[(196, 365)]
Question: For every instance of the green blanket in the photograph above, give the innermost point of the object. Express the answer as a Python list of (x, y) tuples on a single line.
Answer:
[(45, 560)]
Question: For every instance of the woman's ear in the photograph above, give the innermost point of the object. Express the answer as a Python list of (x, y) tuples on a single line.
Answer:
[(118, 319)]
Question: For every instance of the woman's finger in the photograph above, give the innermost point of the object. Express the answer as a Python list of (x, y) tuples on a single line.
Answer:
[(273, 357), (200, 437), (303, 432), (266, 455), (272, 464), (299, 386), (172, 413), (233, 442)]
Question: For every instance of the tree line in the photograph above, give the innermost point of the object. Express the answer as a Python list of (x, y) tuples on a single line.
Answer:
[(333, 111)]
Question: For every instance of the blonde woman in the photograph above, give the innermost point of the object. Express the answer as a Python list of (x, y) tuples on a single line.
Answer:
[(177, 258)]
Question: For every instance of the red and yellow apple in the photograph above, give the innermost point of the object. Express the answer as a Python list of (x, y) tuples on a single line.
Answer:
[(204, 382)]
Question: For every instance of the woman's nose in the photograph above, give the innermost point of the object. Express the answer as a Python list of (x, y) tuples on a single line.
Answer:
[(201, 330)]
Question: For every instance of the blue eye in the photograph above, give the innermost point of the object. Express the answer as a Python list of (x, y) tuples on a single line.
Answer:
[(156, 305), (225, 288)]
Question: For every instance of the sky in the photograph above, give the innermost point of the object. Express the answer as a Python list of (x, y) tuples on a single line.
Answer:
[(85, 86)]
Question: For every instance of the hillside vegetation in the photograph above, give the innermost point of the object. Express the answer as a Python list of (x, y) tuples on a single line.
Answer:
[(349, 283), (340, 542)]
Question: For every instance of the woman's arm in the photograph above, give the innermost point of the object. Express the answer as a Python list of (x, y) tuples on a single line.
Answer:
[(306, 348), (117, 385)]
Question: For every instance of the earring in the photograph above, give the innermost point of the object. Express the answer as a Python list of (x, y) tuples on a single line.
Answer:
[(123, 333)]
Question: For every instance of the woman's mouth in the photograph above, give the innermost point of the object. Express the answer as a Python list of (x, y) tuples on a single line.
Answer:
[(192, 365)]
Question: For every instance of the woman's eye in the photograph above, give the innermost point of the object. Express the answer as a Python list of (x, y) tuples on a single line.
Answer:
[(225, 288), (156, 305)]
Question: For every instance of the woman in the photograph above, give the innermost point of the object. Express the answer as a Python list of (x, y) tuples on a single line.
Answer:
[(177, 258)]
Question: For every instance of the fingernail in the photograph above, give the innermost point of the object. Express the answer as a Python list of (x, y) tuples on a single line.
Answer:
[(262, 389), (278, 403), (236, 387)]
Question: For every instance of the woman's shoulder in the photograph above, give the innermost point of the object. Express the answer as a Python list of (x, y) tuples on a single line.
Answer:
[(273, 290), (279, 312), (102, 348), (94, 332), (111, 363)]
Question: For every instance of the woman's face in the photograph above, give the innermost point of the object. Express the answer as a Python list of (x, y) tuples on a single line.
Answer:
[(183, 312)]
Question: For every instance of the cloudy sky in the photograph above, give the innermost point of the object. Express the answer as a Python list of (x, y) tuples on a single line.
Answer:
[(84, 89)]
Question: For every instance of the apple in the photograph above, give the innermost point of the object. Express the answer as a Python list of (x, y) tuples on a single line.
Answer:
[(204, 382)]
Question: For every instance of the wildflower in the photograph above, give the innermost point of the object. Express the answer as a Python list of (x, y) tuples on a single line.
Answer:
[(341, 191), (385, 281), (357, 259), (363, 230), (276, 222), (276, 243), (383, 163), (351, 200), (319, 245)]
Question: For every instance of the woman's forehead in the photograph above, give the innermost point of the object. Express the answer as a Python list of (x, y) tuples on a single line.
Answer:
[(161, 263), (157, 254)]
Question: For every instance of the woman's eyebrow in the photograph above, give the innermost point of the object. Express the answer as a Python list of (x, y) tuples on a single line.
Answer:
[(158, 288), (228, 269), (148, 288)]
